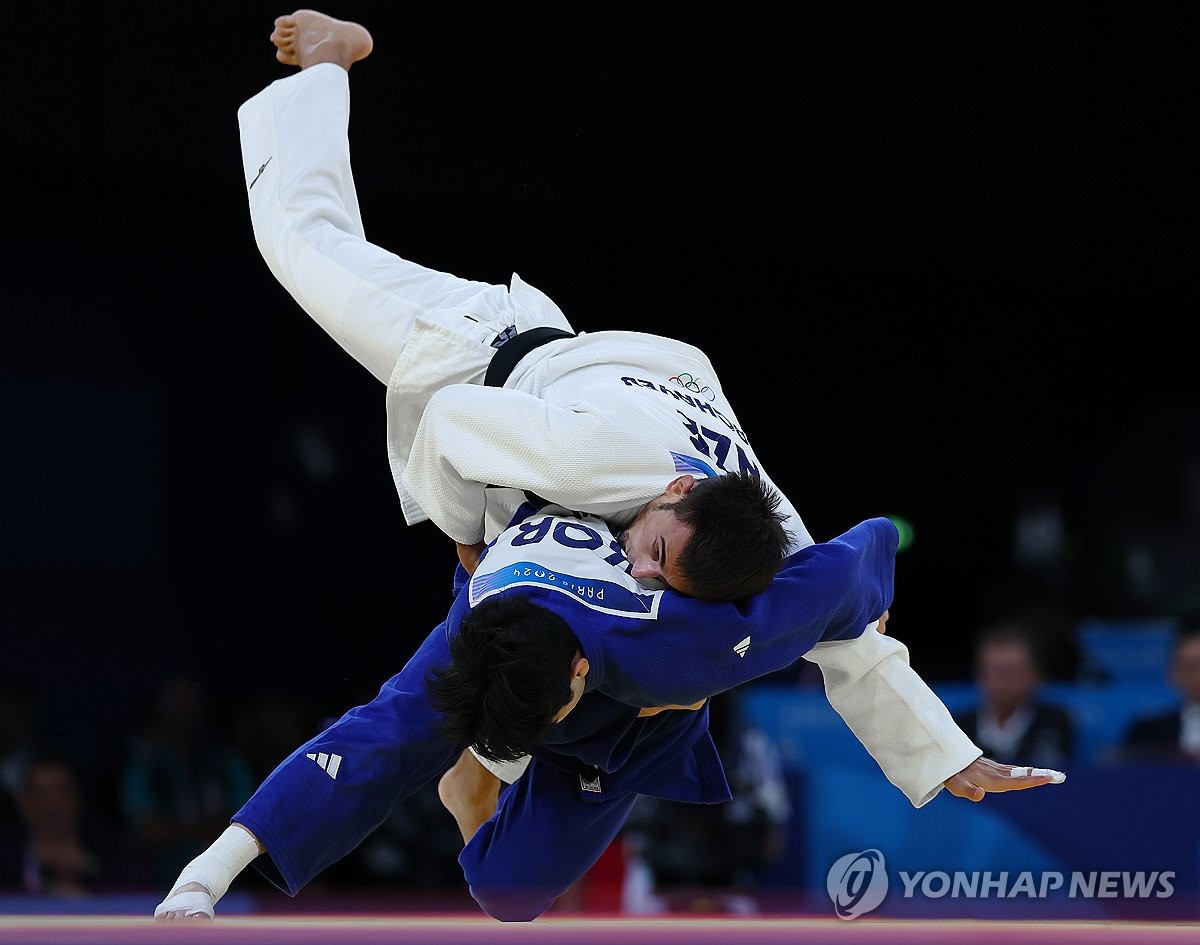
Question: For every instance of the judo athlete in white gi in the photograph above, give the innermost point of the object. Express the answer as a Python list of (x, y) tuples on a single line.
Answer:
[(600, 422)]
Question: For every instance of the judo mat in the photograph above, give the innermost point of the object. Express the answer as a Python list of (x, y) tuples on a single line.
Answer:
[(348, 929)]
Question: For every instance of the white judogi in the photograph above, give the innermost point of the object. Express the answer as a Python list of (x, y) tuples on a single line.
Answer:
[(599, 423)]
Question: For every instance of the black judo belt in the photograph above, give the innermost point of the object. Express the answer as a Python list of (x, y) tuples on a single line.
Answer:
[(513, 348)]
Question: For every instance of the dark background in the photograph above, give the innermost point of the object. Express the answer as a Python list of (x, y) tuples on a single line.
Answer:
[(944, 262)]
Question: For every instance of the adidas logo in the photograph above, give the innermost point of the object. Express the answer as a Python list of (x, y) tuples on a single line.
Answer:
[(738, 648), (329, 763)]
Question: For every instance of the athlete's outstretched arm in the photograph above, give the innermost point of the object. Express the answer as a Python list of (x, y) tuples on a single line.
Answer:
[(906, 728), (691, 649)]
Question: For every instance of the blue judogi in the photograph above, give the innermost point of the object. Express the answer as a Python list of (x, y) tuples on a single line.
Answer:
[(645, 648)]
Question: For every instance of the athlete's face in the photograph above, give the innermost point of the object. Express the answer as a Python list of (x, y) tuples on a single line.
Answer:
[(1007, 674), (1186, 668), (655, 539)]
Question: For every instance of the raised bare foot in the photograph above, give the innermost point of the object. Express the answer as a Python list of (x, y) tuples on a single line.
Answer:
[(306, 37), (470, 792)]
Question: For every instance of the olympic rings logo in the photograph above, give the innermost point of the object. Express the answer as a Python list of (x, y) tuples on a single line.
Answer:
[(689, 383)]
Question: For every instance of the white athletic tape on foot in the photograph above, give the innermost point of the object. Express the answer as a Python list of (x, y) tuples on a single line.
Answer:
[(219, 865), (187, 904), (1056, 777)]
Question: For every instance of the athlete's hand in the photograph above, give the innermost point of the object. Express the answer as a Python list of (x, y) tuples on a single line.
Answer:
[(469, 555), (882, 628), (984, 776)]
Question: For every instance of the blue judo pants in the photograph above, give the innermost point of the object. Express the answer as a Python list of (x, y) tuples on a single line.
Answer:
[(546, 834)]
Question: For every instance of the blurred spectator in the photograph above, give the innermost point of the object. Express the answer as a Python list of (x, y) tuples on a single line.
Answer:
[(709, 857), (1011, 724), (1143, 556), (1174, 735), (1039, 542), (182, 781), (18, 736), (60, 845)]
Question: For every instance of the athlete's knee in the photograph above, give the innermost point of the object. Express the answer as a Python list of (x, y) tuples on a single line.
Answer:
[(509, 882), (492, 886), (510, 903)]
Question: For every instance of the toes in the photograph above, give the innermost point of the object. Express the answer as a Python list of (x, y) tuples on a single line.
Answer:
[(185, 907)]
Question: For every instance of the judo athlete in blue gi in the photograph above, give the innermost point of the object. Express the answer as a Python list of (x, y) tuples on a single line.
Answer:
[(644, 649)]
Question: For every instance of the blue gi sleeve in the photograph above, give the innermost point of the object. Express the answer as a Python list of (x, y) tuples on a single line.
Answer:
[(696, 649)]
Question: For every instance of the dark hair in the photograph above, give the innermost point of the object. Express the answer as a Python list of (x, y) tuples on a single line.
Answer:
[(50, 758), (1013, 631), (1188, 629), (509, 676), (738, 540)]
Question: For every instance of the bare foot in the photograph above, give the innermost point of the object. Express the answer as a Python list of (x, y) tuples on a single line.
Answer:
[(306, 37), (470, 792), (191, 902)]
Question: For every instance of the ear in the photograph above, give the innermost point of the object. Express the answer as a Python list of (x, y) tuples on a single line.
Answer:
[(580, 667), (681, 485)]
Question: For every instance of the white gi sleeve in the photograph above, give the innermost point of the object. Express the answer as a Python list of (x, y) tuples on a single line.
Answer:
[(901, 722)]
